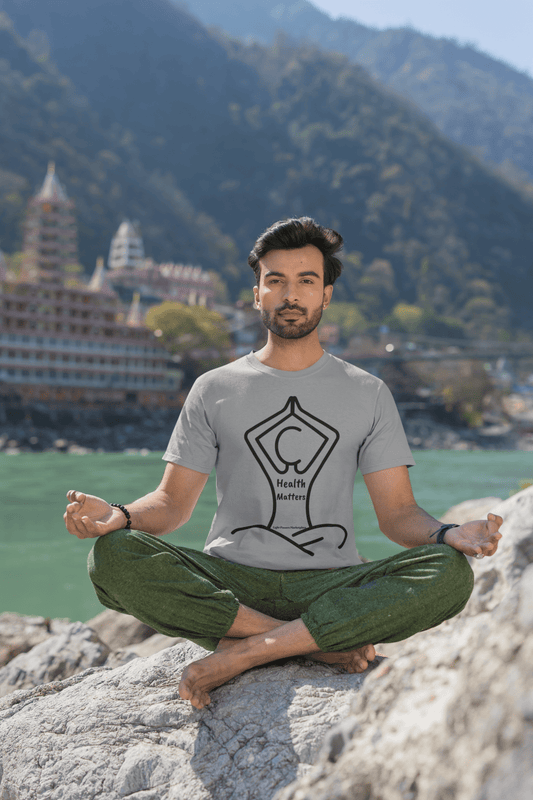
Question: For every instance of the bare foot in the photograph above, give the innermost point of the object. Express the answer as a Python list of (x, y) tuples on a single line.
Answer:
[(228, 660), (351, 660)]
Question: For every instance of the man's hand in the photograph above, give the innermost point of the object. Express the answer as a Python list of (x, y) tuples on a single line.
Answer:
[(88, 516), (480, 536)]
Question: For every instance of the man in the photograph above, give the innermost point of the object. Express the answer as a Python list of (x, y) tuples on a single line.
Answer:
[(286, 429)]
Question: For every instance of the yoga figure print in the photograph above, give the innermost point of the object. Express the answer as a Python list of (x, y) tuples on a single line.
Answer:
[(291, 447)]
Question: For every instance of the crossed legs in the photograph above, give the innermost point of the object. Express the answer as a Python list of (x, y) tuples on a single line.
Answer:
[(256, 639), (249, 616)]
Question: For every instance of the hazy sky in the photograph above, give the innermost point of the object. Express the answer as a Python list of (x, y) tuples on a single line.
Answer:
[(502, 28)]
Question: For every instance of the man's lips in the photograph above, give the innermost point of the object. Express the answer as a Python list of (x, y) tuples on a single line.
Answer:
[(291, 312)]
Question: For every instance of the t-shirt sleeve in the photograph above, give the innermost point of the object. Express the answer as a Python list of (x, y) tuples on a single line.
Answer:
[(386, 444), (193, 442)]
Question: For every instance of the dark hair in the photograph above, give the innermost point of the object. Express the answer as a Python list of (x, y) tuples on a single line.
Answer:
[(291, 234)]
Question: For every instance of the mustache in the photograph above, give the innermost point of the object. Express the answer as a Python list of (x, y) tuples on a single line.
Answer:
[(290, 307)]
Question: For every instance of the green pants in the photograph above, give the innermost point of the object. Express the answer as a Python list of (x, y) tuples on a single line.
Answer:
[(182, 592)]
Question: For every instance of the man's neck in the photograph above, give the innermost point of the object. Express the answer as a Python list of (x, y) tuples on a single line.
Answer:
[(290, 354)]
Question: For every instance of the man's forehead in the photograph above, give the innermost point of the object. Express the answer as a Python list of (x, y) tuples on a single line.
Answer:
[(308, 259)]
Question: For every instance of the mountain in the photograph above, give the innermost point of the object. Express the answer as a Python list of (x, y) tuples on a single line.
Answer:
[(44, 117), (246, 134), (474, 99)]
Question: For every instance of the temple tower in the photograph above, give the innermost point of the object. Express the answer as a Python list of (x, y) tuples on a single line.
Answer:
[(127, 249), (50, 232)]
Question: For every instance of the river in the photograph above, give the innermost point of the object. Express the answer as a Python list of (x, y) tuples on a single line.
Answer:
[(43, 568)]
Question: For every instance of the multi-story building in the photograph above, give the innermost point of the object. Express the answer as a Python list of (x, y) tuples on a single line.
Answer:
[(50, 233), (66, 342), (130, 271), (127, 248)]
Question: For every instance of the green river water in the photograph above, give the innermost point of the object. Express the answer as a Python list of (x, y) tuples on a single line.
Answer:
[(43, 568)]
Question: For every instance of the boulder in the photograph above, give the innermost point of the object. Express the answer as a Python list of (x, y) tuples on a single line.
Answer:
[(119, 630), (497, 578), (470, 510), (67, 653), (18, 634), (127, 733), (449, 715), (152, 645)]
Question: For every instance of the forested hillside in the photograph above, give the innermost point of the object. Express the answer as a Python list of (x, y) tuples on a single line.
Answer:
[(43, 116), (474, 99), (181, 123)]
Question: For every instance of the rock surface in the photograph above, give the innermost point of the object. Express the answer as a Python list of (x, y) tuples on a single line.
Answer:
[(34, 427), (497, 578), (441, 721), (74, 650), (154, 644), (447, 717), (109, 734), (36, 650), (451, 714), (119, 630), (19, 634)]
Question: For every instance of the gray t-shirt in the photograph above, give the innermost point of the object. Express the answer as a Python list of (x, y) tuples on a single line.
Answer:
[(286, 447)]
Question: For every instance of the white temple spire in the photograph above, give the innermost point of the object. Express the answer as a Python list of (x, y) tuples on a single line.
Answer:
[(99, 281), (134, 319), (51, 188), (127, 248)]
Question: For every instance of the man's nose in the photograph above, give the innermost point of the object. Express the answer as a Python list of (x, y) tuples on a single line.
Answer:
[(291, 293)]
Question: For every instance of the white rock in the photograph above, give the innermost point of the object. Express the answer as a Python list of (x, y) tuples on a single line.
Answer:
[(450, 715), (497, 577), (127, 733), (18, 633), (435, 723), (119, 630), (70, 652), (153, 645), (525, 606), (470, 510)]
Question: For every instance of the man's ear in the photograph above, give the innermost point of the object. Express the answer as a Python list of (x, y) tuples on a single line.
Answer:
[(328, 291), (257, 304)]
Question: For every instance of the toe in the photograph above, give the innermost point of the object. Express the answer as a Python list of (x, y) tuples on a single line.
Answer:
[(370, 652), (184, 690), (200, 700)]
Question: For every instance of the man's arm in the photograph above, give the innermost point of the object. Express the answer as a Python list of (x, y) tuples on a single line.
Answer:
[(403, 521), (158, 513)]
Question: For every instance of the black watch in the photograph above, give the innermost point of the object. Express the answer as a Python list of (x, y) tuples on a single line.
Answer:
[(441, 532)]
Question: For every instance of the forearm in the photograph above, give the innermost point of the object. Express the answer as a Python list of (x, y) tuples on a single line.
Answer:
[(410, 526), (155, 513)]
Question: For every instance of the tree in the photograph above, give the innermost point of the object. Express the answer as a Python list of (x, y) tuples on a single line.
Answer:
[(348, 317), (190, 331)]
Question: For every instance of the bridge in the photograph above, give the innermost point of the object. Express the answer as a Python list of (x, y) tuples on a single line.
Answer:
[(410, 349)]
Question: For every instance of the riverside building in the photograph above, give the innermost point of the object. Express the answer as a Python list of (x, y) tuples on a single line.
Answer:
[(62, 341), (129, 272)]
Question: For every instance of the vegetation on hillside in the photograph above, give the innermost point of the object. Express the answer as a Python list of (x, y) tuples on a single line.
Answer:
[(474, 99), (206, 141), (44, 117)]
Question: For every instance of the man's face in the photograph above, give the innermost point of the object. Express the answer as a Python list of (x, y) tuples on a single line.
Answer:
[(291, 294)]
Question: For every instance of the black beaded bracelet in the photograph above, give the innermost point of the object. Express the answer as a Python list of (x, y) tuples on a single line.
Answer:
[(126, 513), (441, 531)]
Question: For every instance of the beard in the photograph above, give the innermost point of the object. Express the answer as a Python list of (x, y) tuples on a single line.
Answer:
[(303, 326)]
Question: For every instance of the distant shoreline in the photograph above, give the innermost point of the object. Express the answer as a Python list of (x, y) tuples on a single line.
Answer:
[(39, 428)]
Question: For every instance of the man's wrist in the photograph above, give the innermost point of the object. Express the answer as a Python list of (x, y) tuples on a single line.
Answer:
[(441, 532), (126, 513)]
